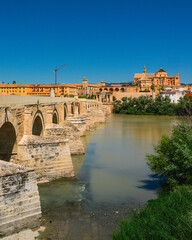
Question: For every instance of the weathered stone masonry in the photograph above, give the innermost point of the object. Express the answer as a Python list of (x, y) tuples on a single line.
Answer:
[(19, 199)]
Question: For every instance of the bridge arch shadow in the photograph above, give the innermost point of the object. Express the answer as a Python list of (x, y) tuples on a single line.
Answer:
[(65, 111), (8, 143), (77, 107), (55, 118), (38, 124), (72, 108)]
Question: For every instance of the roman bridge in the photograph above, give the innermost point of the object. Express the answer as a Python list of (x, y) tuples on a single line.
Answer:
[(37, 137), (41, 133)]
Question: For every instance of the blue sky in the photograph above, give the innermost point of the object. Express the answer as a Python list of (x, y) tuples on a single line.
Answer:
[(100, 39)]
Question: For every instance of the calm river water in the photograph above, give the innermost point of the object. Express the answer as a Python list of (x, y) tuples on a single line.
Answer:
[(110, 178)]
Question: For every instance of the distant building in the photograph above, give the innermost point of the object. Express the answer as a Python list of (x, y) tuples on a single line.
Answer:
[(86, 89), (158, 79), (60, 90), (104, 96), (174, 94), (105, 92)]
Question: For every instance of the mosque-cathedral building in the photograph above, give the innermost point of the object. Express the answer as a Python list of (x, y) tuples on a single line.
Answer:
[(158, 79), (141, 85)]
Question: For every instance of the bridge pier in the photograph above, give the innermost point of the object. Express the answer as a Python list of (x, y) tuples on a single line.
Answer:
[(49, 157), (67, 131)]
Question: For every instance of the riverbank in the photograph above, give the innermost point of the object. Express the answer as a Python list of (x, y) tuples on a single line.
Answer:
[(168, 217)]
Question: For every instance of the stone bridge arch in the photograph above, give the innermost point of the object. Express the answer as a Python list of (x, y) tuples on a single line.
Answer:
[(6, 115), (55, 118), (8, 141), (9, 136), (38, 124)]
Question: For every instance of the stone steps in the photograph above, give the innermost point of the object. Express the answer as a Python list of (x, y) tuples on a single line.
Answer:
[(14, 217), (24, 201), (16, 225), (78, 119), (58, 168), (53, 164), (16, 210), (62, 174)]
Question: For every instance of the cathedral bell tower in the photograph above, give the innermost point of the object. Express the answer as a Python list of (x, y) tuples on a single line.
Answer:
[(85, 82), (144, 70)]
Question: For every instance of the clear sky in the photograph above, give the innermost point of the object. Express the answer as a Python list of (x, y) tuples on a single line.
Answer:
[(100, 39)]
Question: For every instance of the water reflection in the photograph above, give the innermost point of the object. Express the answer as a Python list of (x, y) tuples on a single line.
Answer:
[(111, 175), (115, 158), (77, 162)]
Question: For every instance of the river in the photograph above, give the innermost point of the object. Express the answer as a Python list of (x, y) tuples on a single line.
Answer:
[(111, 178)]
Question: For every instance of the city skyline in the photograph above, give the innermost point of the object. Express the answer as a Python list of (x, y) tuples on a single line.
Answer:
[(99, 39)]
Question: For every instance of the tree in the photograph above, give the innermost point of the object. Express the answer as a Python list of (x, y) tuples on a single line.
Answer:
[(14, 82), (162, 88), (173, 156), (146, 105), (124, 99), (92, 96), (184, 107)]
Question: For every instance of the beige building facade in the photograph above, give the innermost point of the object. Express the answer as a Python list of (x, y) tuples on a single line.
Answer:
[(159, 79)]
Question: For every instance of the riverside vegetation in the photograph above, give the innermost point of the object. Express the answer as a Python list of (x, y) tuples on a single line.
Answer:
[(169, 216), (144, 105)]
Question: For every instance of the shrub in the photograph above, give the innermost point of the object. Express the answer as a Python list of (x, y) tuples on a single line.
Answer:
[(82, 96), (173, 156)]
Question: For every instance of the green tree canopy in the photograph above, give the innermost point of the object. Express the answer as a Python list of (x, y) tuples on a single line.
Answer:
[(173, 156)]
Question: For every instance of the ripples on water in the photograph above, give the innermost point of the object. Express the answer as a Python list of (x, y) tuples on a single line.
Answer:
[(110, 178)]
